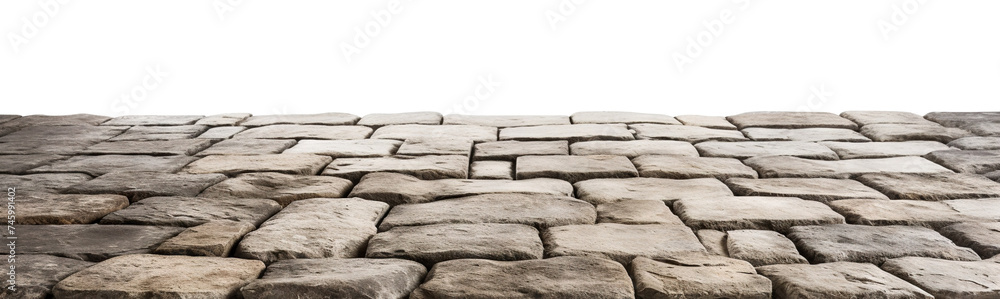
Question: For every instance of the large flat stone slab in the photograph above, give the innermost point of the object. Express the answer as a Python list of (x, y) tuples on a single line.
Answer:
[(864, 118), (602, 191), (306, 132), (620, 242), (163, 276), (931, 214), (153, 120), (692, 134), (38, 146), (314, 228), (674, 167), (968, 161), (377, 120), (329, 119), (753, 212), (305, 164), (139, 185), (153, 133), (394, 188), (225, 119), (869, 150), (491, 170), (960, 119), (762, 247), (346, 148), (193, 211), (633, 148), (874, 244), (102, 164), (838, 280), (538, 210), (403, 132), (698, 276), (18, 164), (975, 143), (807, 135), (424, 167), (46, 208), (54, 120), (983, 237), (712, 122), (436, 146), (510, 150), (714, 241), (248, 146), (337, 278), (574, 168), (560, 277), (505, 121), (750, 149), (431, 244), (214, 238), (63, 133), (91, 242), (636, 212), (621, 117), (221, 132), (932, 186), (818, 189), (795, 167), (282, 188), (156, 148), (948, 279), (981, 208), (572, 133), (791, 120), (904, 132), (984, 129), (42, 182), (37, 274)]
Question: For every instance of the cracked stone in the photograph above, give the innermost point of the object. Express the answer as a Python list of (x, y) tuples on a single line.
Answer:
[(329, 119), (538, 210), (337, 278), (91, 242), (346, 148), (807, 134), (982, 237), (933, 214), (932, 186), (869, 150), (213, 238), (226, 119), (18, 164), (948, 279), (968, 161), (42, 208), (762, 247), (187, 147), (282, 188), (139, 185), (431, 244), (424, 167), (247, 146), (378, 120), (838, 280), (436, 146), (159, 133), (750, 149), (221, 132), (633, 148), (193, 211), (394, 188), (975, 143), (572, 133), (602, 191), (864, 118), (153, 120), (43, 182), (283, 163), (574, 168), (620, 117), (636, 212), (674, 167), (37, 274), (505, 121), (874, 244), (753, 212), (960, 119), (791, 120), (795, 167), (306, 132), (698, 276), (711, 122), (491, 170), (510, 150), (903, 132), (102, 164), (403, 132), (620, 242), (818, 189), (691, 134)]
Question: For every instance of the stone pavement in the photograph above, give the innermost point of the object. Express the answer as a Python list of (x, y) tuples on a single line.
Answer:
[(864, 204)]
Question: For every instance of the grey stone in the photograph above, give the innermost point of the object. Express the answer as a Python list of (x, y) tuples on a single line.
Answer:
[(620, 242), (431, 244), (636, 212), (753, 212), (791, 120), (39, 146), (491, 170), (750, 149), (18, 164), (510, 150), (795, 167), (337, 278), (377, 120), (620, 117), (869, 150), (44, 208), (221, 132), (714, 241), (154, 133), (838, 280), (435, 146), (674, 167), (248, 146), (932, 186), (968, 161), (283, 163), (574, 168), (572, 133), (960, 119), (213, 238), (424, 167), (403, 132), (306, 132), (948, 279), (42, 182), (346, 148), (931, 214), (48, 134), (394, 188), (186, 147), (226, 119), (602, 191), (864, 118), (538, 210), (139, 185), (55, 120), (982, 237), (37, 274), (193, 211), (282, 188), (762, 247), (818, 189), (633, 148), (692, 134), (91, 242), (807, 134), (874, 244), (975, 143), (711, 122), (698, 276), (984, 129), (505, 121), (903, 132), (8, 117), (329, 119), (102, 164), (981, 208), (153, 120)]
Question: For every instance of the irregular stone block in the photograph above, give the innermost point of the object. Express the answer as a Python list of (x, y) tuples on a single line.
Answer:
[(102, 164), (900, 212), (431, 244), (795, 167), (139, 185), (510, 150), (983, 237), (981, 208), (18, 164), (424, 167), (539, 210), (38, 147), (753, 212), (394, 188), (818, 189), (153, 120), (864, 118), (602, 191), (8, 117), (337, 278), (306, 132), (403, 132), (750, 149), (329, 119), (674, 167), (807, 134), (791, 120), (968, 161), (762, 247), (932, 186), (711, 122), (620, 117), (346, 148), (574, 168), (505, 121), (54, 120), (984, 129), (282, 188), (620, 242), (248, 146), (226, 119), (874, 244), (48, 134), (572, 133), (903, 132), (221, 132), (975, 143), (690, 134), (948, 279), (43, 182), (491, 170), (869, 150), (636, 212), (438, 146), (156, 133), (698, 276), (186, 147), (838, 280), (91, 242), (44, 208), (283, 163), (633, 148), (960, 119), (378, 120), (714, 241), (37, 274), (214, 238), (193, 211)]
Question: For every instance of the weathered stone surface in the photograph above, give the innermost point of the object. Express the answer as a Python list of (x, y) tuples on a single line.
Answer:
[(156, 148), (983, 237), (54, 120), (692, 134), (44, 208), (424, 167), (762, 247), (818, 189), (48, 134), (160, 276), (505, 121), (602, 191), (620, 242), (574, 168), (874, 244), (37, 274), (436, 146), (968, 161), (933, 214), (753, 212), (248, 146), (948, 279), (193, 211), (538, 210), (337, 278), (377, 120), (42, 182), (932, 186), (394, 188), (995, 175), (903, 132), (139, 185), (403, 132), (674, 167), (8, 117), (329, 119), (431, 244), (714, 241), (807, 134), (838, 280), (306, 132), (153, 133), (282, 188), (698, 276), (712, 122), (620, 117), (795, 167), (636, 212), (226, 119), (633, 148), (283, 163), (975, 143), (984, 129), (572, 133), (99, 165), (346, 148), (864, 118), (18, 164), (213, 238), (510, 150), (221, 132), (869, 150), (983, 208), (314, 228), (959, 119), (791, 120), (153, 120), (750, 149), (91, 242), (39, 146), (491, 170), (560, 277)]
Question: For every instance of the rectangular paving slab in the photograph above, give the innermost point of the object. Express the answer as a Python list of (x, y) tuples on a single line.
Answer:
[(818, 189), (282, 188), (153, 120), (983, 237), (869, 150), (91, 242), (932, 186), (37, 274), (620, 242), (214, 238), (698, 276), (633, 148), (968, 161), (636, 212), (975, 143), (193, 211), (933, 214), (791, 120), (19, 164), (674, 167), (151, 133), (395, 188), (102, 164), (221, 132), (247, 146), (424, 167), (753, 212), (795, 167), (47, 208), (621, 117), (329, 119), (762, 247), (377, 120), (865, 118), (403, 132), (749, 149), (337, 278), (602, 191), (139, 185), (874, 244), (691, 134), (306, 132), (42, 182), (346, 148), (225, 119), (510, 150), (538, 210), (838, 280), (712, 122), (574, 168), (948, 279), (491, 170), (186, 147), (437, 146), (283, 163), (505, 121), (807, 134), (572, 133), (906, 132), (431, 244)]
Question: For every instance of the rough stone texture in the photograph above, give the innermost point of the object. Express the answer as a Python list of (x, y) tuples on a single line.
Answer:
[(394, 188), (247, 146), (306, 132), (157, 148), (692, 134), (559, 277), (18, 164), (984, 129), (505, 121), (762, 247), (424, 167), (932, 186), (983, 237), (620, 242), (193, 211), (139, 185), (538, 210), (160, 276), (44, 208), (698, 276), (795, 167), (636, 212), (874, 244), (37, 274), (807, 134), (436, 146), (975, 143), (572, 133), (329, 119), (377, 120), (621, 117), (864, 118), (674, 167), (791, 120), (818, 189), (282, 188), (63, 133), (214, 238), (337, 278), (959, 119), (54, 120), (221, 132), (491, 170), (574, 168), (981, 208), (753, 212), (90, 242), (933, 214), (38, 146), (431, 244), (948, 279), (403, 132), (602, 191), (904, 132), (102, 164), (226, 119), (151, 133), (153, 120), (42, 182), (743, 150), (633, 148), (712, 122), (510, 150), (838, 280), (283, 163), (314, 228), (714, 241), (346, 148), (968, 161), (869, 150)]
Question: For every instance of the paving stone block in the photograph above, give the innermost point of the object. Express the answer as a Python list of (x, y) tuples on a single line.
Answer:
[(674, 167), (193, 211), (19, 164), (691, 134), (698, 276), (226, 119), (983, 237), (44, 208), (424, 167), (378, 120), (948, 279), (984, 129), (874, 244), (981, 208), (346, 148), (711, 122), (633, 148), (394, 188), (37, 146), (975, 143), (620, 117), (807, 134), (403, 132), (91, 242), (153, 120), (864, 118), (54, 120), (574, 168), (870, 150), (102, 164), (538, 210), (213, 238), (602, 191), (762, 247), (750, 149), (139, 185), (904, 132), (186, 147), (156, 133), (505, 121), (329, 119), (42, 182), (795, 167), (838, 280), (960, 119), (791, 120), (436, 146), (283, 163), (968, 161), (282, 188), (47, 134), (818, 189), (337, 278), (431, 244), (572, 133), (510, 150), (714, 241), (636, 212), (932, 186), (753, 212), (37, 274), (221, 132), (247, 146), (306, 132), (931, 214), (491, 170), (620, 242)]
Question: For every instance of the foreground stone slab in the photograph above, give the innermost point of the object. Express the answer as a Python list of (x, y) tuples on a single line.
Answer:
[(377, 120), (795, 167), (818, 189), (602, 191), (505, 121), (337, 278), (166, 276), (753, 212), (437, 146), (983, 237), (690, 134), (403, 132), (306, 132), (901, 212), (43, 182), (633, 148), (424, 167), (698, 276), (139, 185), (948, 279), (572, 133), (961, 119), (214, 238), (864, 118), (749, 149), (18, 164), (807, 134), (431, 244), (283, 163), (346, 148), (619, 117), (45, 208), (791, 120), (491, 170), (837, 280), (37, 274), (282, 188), (620, 242), (870, 150), (152, 133), (102, 164), (903, 132), (225, 119), (712, 122), (221, 132), (153, 120), (574, 168), (538, 210), (91, 242), (762, 247), (636, 212), (247, 146), (329, 119), (186, 147), (976, 143), (968, 161), (193, 211), (394, 188), (510, 150), (874, 244), (674, 167), (932, 186), (314, 228), (559, 277)]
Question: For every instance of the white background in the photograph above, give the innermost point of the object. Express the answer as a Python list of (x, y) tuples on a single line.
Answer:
[(541, 57)]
